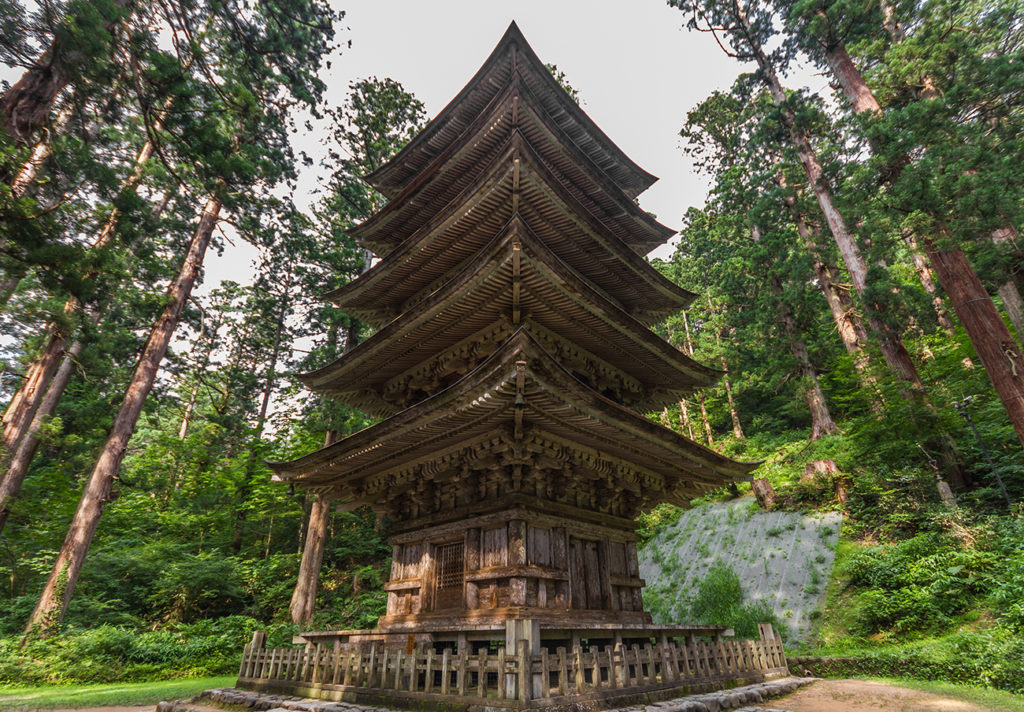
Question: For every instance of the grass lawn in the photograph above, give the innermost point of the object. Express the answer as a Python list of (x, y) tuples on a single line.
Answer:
[(129, 693), (988, 699)]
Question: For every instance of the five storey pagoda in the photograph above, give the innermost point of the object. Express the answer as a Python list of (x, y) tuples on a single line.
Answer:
[(512, 363)]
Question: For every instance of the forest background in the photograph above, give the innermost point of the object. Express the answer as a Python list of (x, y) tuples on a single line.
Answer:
[(858, 261)]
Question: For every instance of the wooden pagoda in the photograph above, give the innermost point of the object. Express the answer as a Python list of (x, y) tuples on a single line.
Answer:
[(511, 365)]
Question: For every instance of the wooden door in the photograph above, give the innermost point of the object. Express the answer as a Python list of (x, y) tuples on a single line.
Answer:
[(450, 575)]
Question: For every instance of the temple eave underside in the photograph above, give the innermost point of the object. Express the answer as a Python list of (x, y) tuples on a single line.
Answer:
[(518, 423)]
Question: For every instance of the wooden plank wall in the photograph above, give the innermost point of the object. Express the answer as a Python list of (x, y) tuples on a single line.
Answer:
[(520, 563)]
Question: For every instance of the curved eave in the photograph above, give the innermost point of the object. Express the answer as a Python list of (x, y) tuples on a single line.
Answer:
[(414, 207), (483, 400), (392, 178), (665, 372), (368, 297)]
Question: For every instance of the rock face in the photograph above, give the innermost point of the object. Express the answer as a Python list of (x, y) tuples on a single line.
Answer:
[(782, 558)]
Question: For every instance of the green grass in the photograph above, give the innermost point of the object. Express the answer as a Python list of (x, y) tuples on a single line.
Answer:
[(132, 693), (986, 698)]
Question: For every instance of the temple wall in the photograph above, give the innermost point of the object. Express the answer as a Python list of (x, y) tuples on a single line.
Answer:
[(511, 560)]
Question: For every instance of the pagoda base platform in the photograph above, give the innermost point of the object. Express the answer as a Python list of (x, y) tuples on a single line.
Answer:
[(524, 666)]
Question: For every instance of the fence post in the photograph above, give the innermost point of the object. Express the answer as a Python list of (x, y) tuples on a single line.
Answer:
[(502, 689), (446, 661), (428, 679), (463, 675), (524, 670), (613, 675)]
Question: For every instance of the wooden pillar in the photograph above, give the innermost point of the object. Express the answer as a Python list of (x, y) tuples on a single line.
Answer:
[(560, 561), (394, 606), (523, 636), (608, 601), (517, 557), (304, 597), (633, 568), (472, 559), (428, 574)]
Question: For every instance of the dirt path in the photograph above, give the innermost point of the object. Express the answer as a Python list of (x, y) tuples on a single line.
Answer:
[(864, 696), (822, 696)]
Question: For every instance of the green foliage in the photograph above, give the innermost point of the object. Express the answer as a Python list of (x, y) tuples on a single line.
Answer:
[(719, 600), (109, 653)]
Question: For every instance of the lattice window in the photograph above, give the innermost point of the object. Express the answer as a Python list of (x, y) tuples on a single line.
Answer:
[(450, 565)]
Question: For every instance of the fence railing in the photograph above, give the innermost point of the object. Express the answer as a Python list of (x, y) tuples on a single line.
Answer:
[(510, 674)]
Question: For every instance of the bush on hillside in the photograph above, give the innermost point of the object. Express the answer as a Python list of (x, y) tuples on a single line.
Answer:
[(118, 654)]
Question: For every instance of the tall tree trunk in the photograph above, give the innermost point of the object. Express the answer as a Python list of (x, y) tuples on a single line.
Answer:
[(1014, 306), (60, 585), (303, 603), (17, 469), (896, 355), (26, 104), (21, 409), (261, 419), (737, 426), (924, 274), (1008, 291), (734, 415), (821, 418), (700, 395), (998, 352), (43, 150), (684, 418), (848, 324)]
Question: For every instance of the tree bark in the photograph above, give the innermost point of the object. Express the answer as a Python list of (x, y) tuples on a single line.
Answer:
[(17, 469), (924, 274), (60, 585), (1009, 292), (700, 396), (857, 93), (42, 150), (848, 324), (821, 418), (737, 426), (999, 352), (303, 603), (26, 104), (684, 418), (268, 390), (1014, 306)]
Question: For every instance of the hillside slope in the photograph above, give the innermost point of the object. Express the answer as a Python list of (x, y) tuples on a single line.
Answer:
[(782, 558)]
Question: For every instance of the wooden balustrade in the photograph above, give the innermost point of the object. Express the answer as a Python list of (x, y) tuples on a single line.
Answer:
[(508, 675)]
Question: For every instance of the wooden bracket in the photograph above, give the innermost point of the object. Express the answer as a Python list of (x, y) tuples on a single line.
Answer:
[(517, 252)]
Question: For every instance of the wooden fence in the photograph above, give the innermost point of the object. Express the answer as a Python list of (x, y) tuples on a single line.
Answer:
[(328, 672)]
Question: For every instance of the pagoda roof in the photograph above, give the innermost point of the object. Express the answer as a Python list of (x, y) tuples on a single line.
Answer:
[(518, 407), (455, 169), (458, 232), (512, 55), (516, 278)]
